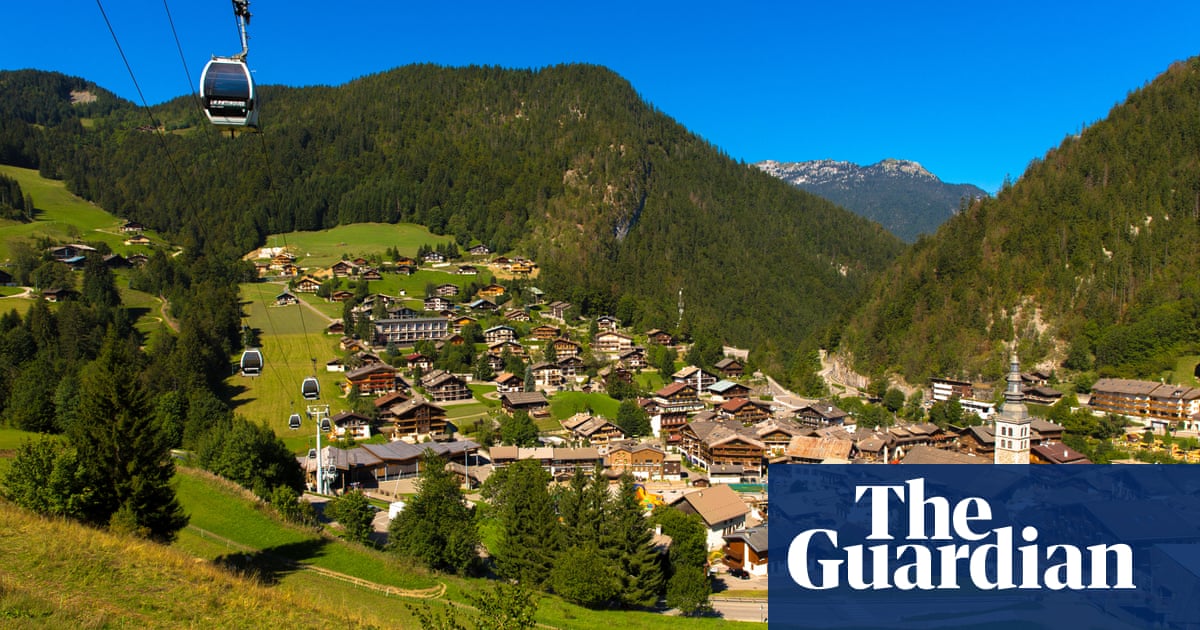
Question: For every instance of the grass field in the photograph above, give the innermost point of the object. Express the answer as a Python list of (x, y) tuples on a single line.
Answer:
[(323, 248), (1185, 371), (567, 404), (62, 216)]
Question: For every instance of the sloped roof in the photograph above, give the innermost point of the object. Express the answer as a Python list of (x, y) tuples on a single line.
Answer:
[(811, 447), (755, 537), (716, 504), (930, 455)]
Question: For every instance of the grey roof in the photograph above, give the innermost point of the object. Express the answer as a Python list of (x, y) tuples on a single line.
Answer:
[(756, 537)]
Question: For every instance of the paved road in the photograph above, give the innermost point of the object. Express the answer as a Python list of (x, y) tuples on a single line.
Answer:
[(741, 609)]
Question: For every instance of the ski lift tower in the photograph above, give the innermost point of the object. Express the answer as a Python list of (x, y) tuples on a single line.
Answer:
[(324, 475)]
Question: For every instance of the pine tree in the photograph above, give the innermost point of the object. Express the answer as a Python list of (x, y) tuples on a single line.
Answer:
[(122, 448), (436, 527), (629, 546), (531, 535)]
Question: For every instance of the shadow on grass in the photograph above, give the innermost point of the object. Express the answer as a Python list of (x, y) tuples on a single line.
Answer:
[(270, 565)]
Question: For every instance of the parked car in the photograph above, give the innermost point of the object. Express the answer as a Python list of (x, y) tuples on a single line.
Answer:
[(741, 574)]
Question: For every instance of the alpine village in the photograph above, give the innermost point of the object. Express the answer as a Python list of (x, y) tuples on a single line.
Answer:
[(511, 348)]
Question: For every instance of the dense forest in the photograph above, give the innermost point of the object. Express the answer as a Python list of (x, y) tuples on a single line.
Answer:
[(622, 207), (1088, 260)]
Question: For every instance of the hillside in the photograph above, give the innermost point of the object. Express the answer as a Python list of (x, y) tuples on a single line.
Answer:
[(900, 195), (622, 207), (1088, 260)]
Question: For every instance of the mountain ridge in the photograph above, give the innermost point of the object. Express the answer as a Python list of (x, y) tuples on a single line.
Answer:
[(901, 195)]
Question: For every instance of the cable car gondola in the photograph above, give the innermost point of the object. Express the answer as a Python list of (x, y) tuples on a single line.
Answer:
[(294, 421), (226, 86), (252, 362), (310, 388), (325, 425)]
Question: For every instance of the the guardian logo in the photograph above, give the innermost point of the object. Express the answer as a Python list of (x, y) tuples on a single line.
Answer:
[(974, 554)]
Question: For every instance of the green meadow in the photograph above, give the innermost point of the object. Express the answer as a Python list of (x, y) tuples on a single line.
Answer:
[(62, 216), (325, 247)]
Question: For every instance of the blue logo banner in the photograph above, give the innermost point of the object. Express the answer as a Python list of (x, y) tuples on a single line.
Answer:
[(984, 546)]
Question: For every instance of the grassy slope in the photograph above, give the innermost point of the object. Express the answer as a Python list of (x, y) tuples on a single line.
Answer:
[(323, 248), (63, 216)]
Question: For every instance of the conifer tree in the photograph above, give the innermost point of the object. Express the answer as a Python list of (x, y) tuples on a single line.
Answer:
[(629, 545), (531, 535), (436, 527)]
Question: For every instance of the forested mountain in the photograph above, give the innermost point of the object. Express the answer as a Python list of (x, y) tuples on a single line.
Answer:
[(622, 207), (1089, 259), (900, 195)]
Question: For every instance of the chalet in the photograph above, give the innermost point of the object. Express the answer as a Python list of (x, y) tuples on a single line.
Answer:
[(387, 400), (402, 312), (812, 449), (370, 273), (744, 410), (672, 404), (660, 337), (1041, 395), (730, 367), (482, 305), (289, 271), (561, 463), (350, 344), (570, 367), (507, 382), (643, 461), (282, 258), (140, 239), (132, 227), (435, 303), (336, 364), (512, 347), (923, 455), (728, 390), (721, 509), (446, 290), (906, 436), (612, 343), (1056, 453), (502, 261), (947, 388), (6, 278), (746, 550), (546, 376), (352, 424), (557, 310), (405, 270), (67, 252), (405, 261), (535, 295), (466, 270), (112, 261), (522, 267), (607, 322), (341, 295), (708, 443), (285, 299), (491, 291), (516, 315), (590, 429), (1160, 403), (633, 358), (480, 250), (372, 463), (343, 268), (496, 363), (545, 332), (410, 330), (821, 414), (418, 361), (307, 284), (138, 259), (564, 347), (416, 416), (534, 403), (360, 261), (57, 295), (459, 322), (373, 379), (433, 258), (443, 386), (777, 433), (699, 378)]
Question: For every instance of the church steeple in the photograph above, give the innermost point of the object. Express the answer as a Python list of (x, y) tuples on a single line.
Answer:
[(1013, 423)]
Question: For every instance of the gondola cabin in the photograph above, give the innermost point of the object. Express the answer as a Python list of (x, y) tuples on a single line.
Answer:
[(294, 421), (310, 388), (227, 93), (252, 362), (325, 425)]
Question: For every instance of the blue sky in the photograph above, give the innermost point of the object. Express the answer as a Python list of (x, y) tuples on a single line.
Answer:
[(971, 90)]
